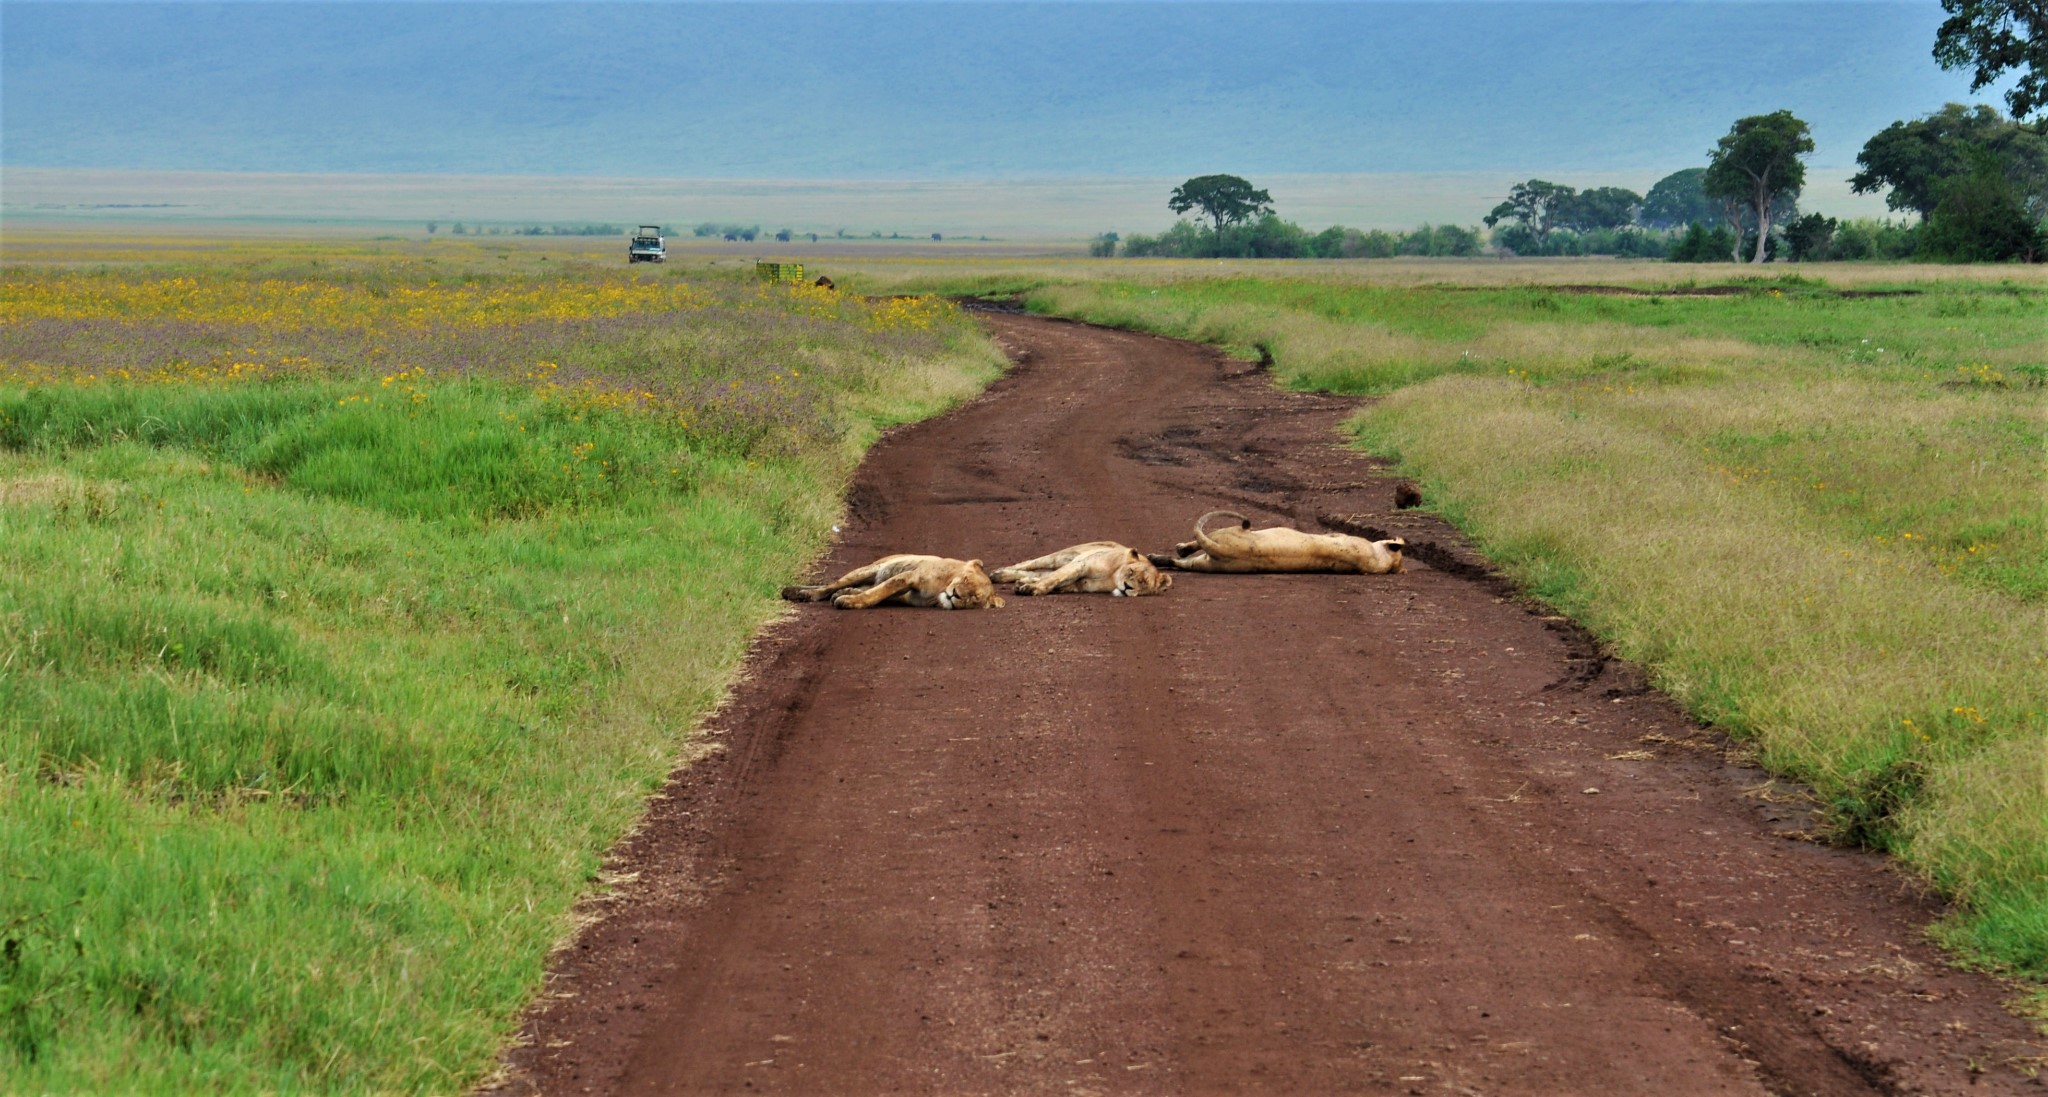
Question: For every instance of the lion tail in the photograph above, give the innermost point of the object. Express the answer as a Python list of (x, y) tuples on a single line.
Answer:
[(1202, 523)]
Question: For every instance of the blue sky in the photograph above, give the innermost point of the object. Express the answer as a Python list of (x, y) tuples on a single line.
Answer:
[(947, 90)]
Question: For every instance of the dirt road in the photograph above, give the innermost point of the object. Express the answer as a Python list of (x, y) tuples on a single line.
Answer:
[(1264, 834)]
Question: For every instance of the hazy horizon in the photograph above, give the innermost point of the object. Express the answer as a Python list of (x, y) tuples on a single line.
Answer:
[(1347, 111), (1007, 209)]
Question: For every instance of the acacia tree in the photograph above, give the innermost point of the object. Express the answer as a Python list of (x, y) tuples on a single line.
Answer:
[(1224, 199), (1756, 168), (1994, 36)]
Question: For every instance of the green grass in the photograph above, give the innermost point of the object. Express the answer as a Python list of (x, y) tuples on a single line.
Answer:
[(1817, 519), (321, 697)]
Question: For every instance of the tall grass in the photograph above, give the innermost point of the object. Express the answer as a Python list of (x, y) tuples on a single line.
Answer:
[(1818, 520), (324, 683)]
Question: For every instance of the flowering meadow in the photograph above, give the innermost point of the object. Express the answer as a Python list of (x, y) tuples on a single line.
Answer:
[(1814, 513), (352, 610)]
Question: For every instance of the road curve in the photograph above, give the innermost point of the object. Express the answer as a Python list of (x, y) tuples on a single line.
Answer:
[(1264, 834)]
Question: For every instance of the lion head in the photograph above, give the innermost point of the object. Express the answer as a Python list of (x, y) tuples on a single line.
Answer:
[(1136, 576), (970, 589)]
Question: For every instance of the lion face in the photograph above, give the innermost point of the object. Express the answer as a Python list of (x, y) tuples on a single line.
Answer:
[(970, 589), (1137, 576)]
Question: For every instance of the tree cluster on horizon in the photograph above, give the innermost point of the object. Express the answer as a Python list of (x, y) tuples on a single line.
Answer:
[(1977, 180)]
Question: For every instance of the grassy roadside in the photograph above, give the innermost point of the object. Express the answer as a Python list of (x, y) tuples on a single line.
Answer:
[(352, 612), (1816, 518)]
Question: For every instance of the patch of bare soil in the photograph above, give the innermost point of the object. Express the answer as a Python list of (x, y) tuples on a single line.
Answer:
[(1265, 834)]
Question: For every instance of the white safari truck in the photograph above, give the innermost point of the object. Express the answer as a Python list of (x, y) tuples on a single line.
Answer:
[(647, 246)]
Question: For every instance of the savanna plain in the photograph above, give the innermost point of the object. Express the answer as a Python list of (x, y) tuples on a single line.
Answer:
[(359, 592)]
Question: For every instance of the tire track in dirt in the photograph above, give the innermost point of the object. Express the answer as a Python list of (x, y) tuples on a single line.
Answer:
[(1264, 834)]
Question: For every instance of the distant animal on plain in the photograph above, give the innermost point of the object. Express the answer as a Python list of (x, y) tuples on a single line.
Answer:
[(1091, 568), (910, 579), (1242, 549), (823, 283)]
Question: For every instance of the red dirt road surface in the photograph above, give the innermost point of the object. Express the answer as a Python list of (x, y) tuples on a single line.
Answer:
[(1307, 834)]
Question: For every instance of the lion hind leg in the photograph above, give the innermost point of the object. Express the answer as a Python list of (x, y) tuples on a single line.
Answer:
[(1173, 559), (1198, 561), (1185, 561)]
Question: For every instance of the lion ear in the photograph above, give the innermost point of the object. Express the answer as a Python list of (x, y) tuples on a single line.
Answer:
[(974, 563), (1134, 554)]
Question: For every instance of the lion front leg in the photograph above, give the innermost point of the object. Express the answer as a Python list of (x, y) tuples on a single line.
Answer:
[(858, 577), (1032, 569), (875, 595), (1015, 573), (1054, 581)]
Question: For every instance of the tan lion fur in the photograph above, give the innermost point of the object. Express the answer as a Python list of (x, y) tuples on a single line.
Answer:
[(912, 580), (1240, 548), (1087, 569)]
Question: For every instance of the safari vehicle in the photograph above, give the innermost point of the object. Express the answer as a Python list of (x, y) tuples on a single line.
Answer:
[(647, 246)]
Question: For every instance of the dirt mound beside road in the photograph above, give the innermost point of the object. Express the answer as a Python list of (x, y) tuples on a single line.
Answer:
[(1265, 834)]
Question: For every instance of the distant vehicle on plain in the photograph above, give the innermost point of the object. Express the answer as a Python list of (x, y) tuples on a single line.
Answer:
[(647, 246)]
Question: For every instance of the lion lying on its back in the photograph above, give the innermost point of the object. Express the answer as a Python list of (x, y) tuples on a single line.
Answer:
[(913, 580), (1241, 548), (1091, 568)]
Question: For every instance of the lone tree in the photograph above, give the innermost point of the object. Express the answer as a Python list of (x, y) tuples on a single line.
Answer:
[(1224, 199), (1756, 168), (1993, 36)]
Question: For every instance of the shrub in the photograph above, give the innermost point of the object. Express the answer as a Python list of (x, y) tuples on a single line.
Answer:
[(1982, 217), (1870, 238), (1272, 238), (1701, 244), (1810, 237)]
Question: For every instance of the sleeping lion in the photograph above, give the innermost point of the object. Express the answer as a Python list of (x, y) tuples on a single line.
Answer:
[(1241, 548), (1087, 569), (912, 580)]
